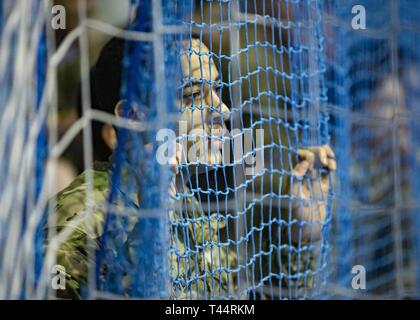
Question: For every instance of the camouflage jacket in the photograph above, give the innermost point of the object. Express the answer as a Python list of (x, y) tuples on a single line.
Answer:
[(204, 268), (74, 216)]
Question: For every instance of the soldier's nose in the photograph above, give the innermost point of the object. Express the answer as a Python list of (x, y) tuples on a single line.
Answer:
[(225, 112), (219, 107)]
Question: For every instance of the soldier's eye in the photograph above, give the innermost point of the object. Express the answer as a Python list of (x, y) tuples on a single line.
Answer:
[(193, 96)]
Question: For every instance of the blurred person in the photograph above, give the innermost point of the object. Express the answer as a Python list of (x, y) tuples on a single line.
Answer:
[(381, 165)]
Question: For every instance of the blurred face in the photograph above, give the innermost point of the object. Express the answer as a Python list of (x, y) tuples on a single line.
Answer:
[(203, 111), (382, 105)]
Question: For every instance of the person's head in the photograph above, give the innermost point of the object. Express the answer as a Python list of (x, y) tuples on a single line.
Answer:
[(105, 84), (387, 99), (200, 104)]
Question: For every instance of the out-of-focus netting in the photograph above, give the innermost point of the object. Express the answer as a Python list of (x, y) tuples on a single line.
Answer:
[(372, 80), (23, 143), (200, 199)]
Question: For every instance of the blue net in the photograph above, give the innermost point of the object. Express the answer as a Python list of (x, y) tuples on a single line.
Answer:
[(136, 170), (251, 93), (369, 76), (24, 144), (219, 103)]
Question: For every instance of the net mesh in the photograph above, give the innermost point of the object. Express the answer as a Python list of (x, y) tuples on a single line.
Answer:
[(369, 77), (214, 104)]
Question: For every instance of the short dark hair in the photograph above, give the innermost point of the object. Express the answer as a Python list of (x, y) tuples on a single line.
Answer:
[(105, 84)]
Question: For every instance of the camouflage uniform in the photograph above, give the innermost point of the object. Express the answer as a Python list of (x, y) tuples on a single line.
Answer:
[(192, 262), (204, 268)]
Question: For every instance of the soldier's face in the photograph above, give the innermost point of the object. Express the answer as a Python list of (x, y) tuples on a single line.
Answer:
[(201, 105), (382, 106)]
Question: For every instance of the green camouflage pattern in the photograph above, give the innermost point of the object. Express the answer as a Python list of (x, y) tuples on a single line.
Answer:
[(84, 236), (209, 264)]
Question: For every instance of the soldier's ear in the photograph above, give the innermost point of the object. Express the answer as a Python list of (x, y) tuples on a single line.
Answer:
[(122, 109), (109, 135)]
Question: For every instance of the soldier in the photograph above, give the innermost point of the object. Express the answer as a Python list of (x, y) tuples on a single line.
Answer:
[(71, 204)]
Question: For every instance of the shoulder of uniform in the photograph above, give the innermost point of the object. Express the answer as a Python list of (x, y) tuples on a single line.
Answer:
[(72, 200)]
